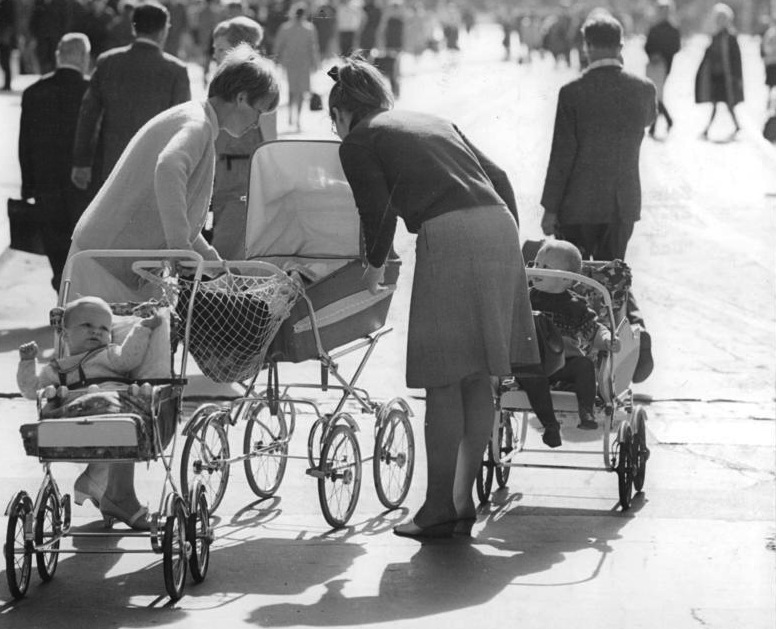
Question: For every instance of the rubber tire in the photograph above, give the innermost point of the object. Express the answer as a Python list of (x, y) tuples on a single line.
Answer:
[(174, 559), (338, 437), (214, 494), (47, 562), (315, 439), (198, 536), (506, 443), (625, 466), (280, 456), (641, 451), (484, 482), (386, 459), (18, 582)]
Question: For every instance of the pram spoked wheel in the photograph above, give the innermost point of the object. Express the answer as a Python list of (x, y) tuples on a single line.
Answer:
[(266, 446), (512, 431), (206, 452), (339, 475), (484, 482), (394, 458), (625, 464), (199, 534), (175, 550), (17, 550), (48, 524), (640, 450)]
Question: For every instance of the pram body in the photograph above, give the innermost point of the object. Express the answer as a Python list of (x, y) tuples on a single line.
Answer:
[(302, 219), (111, 420), (623, 423)]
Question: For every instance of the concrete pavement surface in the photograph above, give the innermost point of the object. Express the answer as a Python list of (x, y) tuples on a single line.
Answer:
[(698, 546)]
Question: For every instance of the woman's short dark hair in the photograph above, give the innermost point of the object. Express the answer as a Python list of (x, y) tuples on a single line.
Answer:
[(245, 70), (359, 88), (150, 18), (602, 30), (240, 29)]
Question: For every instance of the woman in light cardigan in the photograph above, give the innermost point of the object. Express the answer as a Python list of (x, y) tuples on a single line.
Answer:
[(157, 197)]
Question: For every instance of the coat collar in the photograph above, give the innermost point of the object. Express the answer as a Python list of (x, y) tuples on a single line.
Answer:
[(604, 63)]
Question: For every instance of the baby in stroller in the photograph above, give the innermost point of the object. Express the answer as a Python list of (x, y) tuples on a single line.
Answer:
[(583, 335), (90, 355)]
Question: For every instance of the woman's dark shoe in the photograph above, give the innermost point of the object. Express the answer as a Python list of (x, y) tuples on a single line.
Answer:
[(586, 421), (551, 436), (434, 531)]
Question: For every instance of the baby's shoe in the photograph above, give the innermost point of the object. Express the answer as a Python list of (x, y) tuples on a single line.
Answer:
[(551, 436), (586, 421)]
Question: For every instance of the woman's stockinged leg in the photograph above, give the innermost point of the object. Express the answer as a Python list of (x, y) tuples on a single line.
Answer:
[(444, 429), (479, 415)]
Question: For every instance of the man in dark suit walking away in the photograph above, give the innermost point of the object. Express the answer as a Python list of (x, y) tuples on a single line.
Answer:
[(46, 136), (592, 192), (130, 85)]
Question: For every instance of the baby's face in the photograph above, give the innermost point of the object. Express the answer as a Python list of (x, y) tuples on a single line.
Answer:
[(549, 259), (88, 327)]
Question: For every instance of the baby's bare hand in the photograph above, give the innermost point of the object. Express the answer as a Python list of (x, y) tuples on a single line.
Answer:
[(152, 322), (28, 351)]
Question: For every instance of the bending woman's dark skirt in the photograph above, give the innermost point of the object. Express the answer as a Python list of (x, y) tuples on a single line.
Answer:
[(470, 311)]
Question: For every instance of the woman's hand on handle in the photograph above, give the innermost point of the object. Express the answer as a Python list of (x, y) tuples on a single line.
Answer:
[(373, 276)]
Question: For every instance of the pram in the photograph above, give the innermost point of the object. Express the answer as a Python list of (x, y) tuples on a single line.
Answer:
[(605, 286), (301, 217), (111, 420)]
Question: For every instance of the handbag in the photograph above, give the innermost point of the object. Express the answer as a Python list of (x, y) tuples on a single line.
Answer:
[(316, 102), (550, 340), (24, 219)]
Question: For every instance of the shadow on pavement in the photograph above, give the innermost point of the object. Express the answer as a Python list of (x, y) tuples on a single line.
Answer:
[(454, 574)]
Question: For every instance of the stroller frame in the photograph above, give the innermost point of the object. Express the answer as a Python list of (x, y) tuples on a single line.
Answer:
[(623, 423), (333, 453), (180, 528)]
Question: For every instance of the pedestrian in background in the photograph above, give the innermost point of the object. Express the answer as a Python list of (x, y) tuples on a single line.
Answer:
[(348, 23), (663, 42), (8, 39), (325, 22), (129, 86), (768, 53), (50, 20), (720, 76), (233, 154), (296, 49), (46, 137), (470, 318)]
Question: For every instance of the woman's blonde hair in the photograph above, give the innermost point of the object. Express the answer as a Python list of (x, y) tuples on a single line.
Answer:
[(359, 88)]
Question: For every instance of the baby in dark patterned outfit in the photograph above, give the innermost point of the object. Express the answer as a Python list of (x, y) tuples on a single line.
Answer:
[(583, 335)]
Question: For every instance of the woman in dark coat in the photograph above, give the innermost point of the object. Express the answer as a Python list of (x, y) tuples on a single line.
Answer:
[(720, 75), (470, 318)]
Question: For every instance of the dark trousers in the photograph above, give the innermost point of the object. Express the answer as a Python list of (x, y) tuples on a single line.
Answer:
[(579, 373), (5, 65), (61, 211), (662, 111), (347, 40), (598, 241)]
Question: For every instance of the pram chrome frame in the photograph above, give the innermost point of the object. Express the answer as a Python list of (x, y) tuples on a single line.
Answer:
[(180, 529), (300, 207), (623, 429)]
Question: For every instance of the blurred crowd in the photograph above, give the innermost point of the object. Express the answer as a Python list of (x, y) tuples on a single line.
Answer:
[(33, 27)]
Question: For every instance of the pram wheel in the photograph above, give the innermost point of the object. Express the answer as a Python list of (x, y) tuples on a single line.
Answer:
[(394, 458), (315, 440), (339, 482), (174, 549), (199, 535), (266, 446), (18, 551), (204, 458), (48, 523), (625, 465), (507, 430), (640, 450), (484, 483)]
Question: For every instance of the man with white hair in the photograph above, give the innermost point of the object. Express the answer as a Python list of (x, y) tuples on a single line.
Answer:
[(46, 137)]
